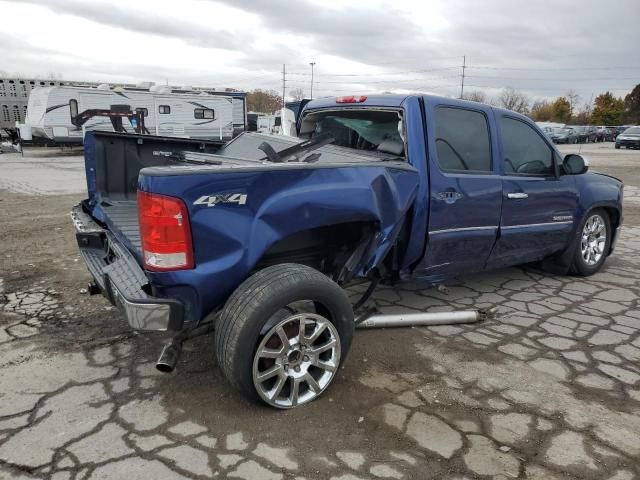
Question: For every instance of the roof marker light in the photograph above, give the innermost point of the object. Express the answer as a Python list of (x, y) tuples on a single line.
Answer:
[(351, 99)]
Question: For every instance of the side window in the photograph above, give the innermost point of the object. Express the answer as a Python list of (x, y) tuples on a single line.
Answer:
[(525, 152), (164, 109), (201, 113), (73, 107), (143, 111), (462, 140)]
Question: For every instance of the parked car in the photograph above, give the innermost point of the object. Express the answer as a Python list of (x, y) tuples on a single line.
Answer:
[(630, 138), (604, 134), (257, 237), (619, 130), (585, 133), (564, 135)]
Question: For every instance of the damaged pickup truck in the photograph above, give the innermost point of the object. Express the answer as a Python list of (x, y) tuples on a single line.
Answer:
[(256, 238)]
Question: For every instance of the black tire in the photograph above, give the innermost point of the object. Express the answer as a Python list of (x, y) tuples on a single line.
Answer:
[(617, 147), (257, 300), (579, 266)]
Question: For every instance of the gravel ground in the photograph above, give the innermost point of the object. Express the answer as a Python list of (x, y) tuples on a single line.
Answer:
[(550, 389)]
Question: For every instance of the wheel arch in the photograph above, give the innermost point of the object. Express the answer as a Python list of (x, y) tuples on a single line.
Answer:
[(325, 248)]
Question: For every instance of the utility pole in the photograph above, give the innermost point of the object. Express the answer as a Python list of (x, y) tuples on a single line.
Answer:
[(284, 81), (464, 65), (312, 65)]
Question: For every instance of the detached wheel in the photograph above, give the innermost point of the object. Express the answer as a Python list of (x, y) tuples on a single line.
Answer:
[(282, 335), (593, 242)]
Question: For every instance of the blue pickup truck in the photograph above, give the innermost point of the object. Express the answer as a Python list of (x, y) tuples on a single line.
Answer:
[(257, 237)]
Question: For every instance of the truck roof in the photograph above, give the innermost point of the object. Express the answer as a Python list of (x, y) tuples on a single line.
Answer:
[(397, 100)]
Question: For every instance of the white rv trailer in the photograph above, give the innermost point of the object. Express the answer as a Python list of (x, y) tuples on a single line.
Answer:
[(168, 111), (14, 95)]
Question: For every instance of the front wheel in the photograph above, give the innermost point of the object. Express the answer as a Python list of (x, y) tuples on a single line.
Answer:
[(593, 242), (283, 334)]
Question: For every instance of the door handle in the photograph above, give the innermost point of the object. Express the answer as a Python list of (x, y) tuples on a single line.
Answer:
[(517, 195)]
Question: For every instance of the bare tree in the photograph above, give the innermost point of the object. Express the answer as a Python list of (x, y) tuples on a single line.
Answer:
[(297, 94), (264, 101), (511, 99), (476, 96), (573, 98)]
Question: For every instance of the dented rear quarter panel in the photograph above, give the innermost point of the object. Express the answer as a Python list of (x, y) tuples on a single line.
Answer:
[(229, 239)]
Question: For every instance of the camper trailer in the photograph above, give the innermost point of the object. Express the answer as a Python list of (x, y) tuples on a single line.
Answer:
[(62, 114)]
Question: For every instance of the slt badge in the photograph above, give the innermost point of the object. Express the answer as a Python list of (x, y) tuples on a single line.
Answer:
[(449, 196)]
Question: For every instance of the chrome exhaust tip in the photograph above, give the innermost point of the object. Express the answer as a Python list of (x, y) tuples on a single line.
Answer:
[(169, 357)]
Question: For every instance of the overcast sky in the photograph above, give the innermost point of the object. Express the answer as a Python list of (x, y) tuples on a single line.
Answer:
[(359, 46)]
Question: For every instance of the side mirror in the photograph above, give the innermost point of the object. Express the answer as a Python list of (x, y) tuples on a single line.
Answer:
[(574, 164)]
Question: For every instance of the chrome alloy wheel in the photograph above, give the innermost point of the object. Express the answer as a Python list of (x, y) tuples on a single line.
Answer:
[(296, 360), (594, 238)]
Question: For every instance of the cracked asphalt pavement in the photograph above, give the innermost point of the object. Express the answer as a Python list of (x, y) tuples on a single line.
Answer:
[(548, 389)]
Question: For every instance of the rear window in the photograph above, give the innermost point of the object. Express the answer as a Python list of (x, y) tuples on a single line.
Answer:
[(361, 129)]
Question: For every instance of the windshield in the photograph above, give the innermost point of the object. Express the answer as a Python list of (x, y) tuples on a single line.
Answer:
[(632, 131), (560, 130), (365, 129)]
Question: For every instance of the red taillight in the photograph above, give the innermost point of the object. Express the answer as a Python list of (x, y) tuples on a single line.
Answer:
[(165, 232), (351, 99)]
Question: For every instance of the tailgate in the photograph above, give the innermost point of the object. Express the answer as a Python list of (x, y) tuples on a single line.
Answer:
[(113, 162)]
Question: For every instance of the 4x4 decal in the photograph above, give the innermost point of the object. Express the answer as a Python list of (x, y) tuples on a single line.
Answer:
[(213, 200)]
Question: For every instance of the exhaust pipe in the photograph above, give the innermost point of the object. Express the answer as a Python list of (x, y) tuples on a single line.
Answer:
[(424, 319), (171, 352), (169, 357)]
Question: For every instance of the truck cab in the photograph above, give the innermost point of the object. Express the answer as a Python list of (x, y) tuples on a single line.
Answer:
[(494, 191)]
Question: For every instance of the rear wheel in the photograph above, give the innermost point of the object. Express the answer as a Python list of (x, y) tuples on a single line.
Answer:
[(282, 335), (593, 242)]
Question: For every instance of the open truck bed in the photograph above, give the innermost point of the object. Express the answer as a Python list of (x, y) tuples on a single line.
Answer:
[(113, 164), (122, 218)]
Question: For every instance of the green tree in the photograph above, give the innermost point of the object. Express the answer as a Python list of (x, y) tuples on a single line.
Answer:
[(542, 111), (607, 110), (632, 105), (561, 110)]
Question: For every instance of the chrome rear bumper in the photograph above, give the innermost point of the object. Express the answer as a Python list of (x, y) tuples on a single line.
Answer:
[(121, 279)]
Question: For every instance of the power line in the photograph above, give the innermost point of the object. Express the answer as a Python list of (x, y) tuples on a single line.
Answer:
[(543, 88), (566, 79), (487, 67), (377, 74), (355, 82)]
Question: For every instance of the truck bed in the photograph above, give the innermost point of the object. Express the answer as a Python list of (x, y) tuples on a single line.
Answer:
[(122, 218)]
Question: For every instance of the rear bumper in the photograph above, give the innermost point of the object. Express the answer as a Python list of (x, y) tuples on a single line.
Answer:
[(628, 143), (121, 279)]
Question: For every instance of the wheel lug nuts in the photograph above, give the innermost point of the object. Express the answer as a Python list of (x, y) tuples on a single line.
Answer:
[(306, 358), (297, 368)]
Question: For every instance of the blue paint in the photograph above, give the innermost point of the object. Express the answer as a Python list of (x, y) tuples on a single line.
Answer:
[(459, 223)]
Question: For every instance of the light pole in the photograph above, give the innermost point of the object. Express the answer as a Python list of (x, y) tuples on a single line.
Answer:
[(312, 64)]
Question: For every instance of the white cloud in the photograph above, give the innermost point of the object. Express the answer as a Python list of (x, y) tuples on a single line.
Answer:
[(363, 46)]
